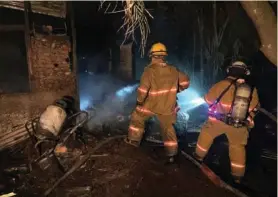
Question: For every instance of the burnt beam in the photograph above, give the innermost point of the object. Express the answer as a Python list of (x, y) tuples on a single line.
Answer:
[(27, 8)]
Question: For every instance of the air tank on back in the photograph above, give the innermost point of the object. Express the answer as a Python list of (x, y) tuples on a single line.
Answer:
[(241, 102)]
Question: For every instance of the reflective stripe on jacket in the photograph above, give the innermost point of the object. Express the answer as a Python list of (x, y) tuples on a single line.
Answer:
[(226, 101), (159, 86)]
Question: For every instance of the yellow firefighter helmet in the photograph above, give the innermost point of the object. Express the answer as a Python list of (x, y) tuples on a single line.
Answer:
[(158, 49)]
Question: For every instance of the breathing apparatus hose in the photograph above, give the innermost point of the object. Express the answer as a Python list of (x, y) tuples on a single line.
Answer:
[(264, 111)]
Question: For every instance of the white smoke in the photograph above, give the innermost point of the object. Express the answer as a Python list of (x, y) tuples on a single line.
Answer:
[(113, 101), (107, 96)]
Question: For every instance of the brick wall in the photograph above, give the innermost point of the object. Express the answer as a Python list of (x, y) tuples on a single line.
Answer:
[(50, 65), (51, 78)]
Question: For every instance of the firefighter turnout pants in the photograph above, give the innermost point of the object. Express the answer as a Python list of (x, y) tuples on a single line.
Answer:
[(237, 138), (137, 127)]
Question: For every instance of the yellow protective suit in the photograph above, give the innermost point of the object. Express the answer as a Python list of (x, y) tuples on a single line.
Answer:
[(237, 137), (157, 94)]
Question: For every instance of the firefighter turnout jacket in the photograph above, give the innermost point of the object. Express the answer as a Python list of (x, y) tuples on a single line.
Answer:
[(213, 128), (157, 94)]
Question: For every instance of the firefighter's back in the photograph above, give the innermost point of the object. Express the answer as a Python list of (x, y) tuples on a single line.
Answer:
[(163, 91)]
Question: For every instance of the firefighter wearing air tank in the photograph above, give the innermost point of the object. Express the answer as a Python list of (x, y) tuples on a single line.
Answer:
[(157, 94), (232, 106)]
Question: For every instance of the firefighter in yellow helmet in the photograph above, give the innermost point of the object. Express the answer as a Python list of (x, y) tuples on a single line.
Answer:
[(232, 106), (156, 96)]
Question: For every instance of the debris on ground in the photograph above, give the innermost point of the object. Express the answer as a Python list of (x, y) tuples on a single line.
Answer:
[(114, 170)]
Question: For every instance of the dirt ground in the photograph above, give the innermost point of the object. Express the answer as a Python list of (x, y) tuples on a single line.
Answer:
[(125, 171)]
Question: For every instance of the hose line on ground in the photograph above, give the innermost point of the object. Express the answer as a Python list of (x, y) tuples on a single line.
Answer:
[(267, 113), (208, 172)]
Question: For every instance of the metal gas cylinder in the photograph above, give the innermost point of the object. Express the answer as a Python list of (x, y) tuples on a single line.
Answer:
[(241, 103), (52, 119)]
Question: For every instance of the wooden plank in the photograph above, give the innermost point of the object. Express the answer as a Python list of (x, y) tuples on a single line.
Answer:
[(15, 139), (70, 12), (13, 143), (11, 131), (4, 28), (27, 6), (13, 134)]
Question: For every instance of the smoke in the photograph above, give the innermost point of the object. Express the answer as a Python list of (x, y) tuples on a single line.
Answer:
[(126, 91), (113, 101), (189, 99), (108, 97)]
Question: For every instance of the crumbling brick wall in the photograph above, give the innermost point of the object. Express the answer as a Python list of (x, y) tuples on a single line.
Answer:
[(50, 64), (50, 75)]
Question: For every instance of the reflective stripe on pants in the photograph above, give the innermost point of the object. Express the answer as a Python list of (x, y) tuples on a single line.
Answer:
[(237, 158), (237, 138), (137, 125)]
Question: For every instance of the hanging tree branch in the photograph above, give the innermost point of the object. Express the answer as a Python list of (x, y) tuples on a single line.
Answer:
[(265, 21), (135, 16)]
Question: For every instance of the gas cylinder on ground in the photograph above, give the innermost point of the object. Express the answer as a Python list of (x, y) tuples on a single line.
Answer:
[(52, 120)]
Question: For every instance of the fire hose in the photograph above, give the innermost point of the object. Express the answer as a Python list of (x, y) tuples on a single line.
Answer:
[(207, 172), (213, 177), (267, 113)]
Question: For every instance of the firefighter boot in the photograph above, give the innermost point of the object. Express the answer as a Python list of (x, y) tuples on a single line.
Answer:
[(170, 160), (132, 142), (237, 179), (173, 160), (197, 157)]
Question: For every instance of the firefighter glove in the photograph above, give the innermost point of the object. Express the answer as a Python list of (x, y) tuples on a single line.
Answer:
[(251, 123)]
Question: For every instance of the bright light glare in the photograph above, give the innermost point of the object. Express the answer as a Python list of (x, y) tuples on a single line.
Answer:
[(84, 104), (189, 99), (125, 91), (198, 101)]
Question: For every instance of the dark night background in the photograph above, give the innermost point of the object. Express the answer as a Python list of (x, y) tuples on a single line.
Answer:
[(176, 25)]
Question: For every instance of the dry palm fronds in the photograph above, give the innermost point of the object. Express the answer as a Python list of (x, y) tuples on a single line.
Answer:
[(135, 16)]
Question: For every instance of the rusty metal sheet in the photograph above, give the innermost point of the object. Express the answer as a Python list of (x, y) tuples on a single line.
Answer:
[(51, 8)]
